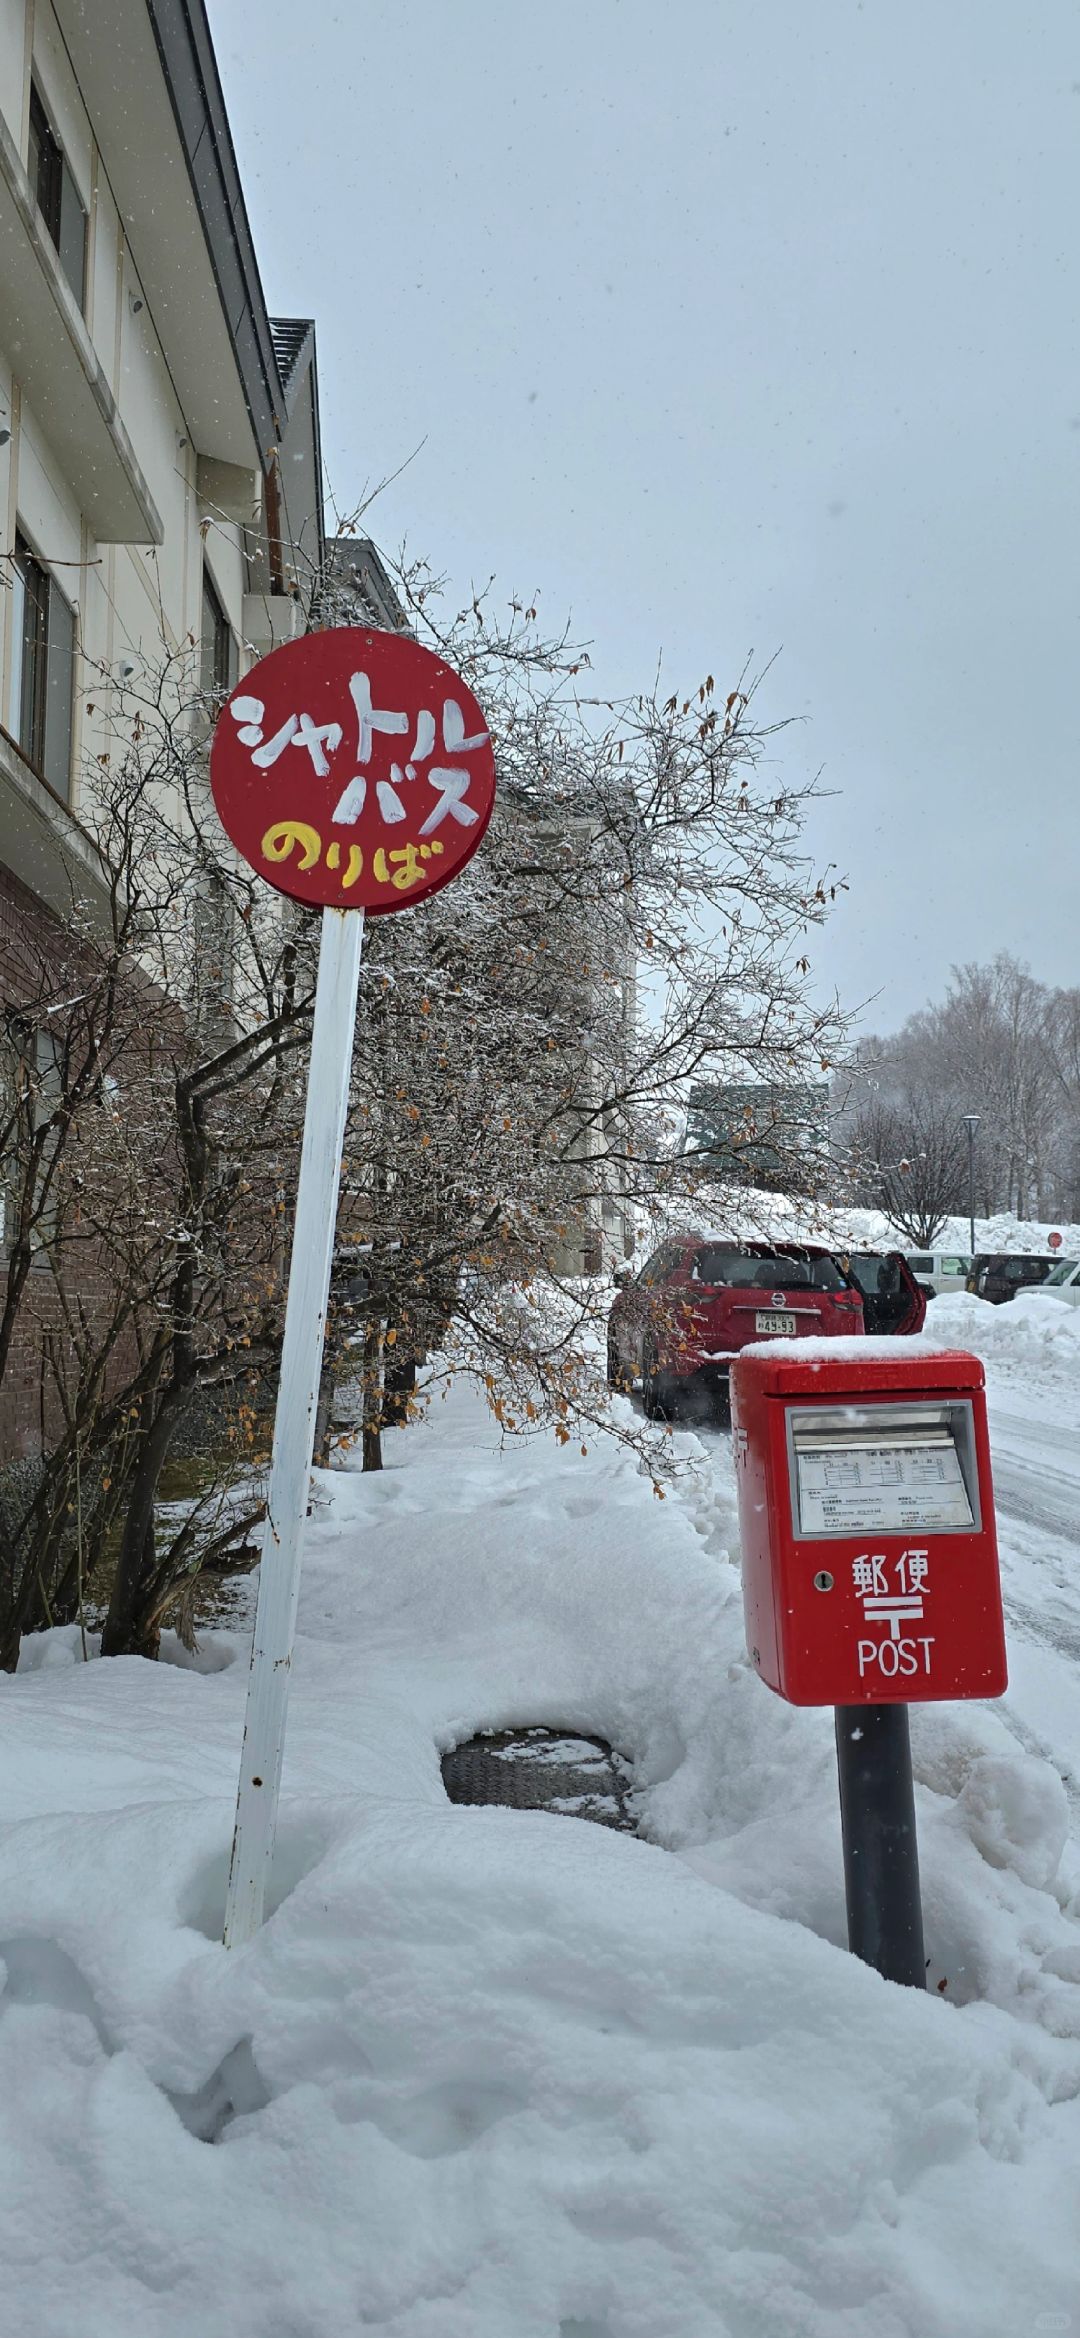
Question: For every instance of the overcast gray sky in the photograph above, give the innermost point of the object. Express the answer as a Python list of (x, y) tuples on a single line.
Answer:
[(731, 325)]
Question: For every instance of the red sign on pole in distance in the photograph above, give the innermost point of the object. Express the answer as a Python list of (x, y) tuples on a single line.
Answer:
[(1054, 1241), (353, 770)]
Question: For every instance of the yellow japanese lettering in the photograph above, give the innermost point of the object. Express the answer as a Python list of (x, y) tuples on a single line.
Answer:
[(278, 842), (405, 866)]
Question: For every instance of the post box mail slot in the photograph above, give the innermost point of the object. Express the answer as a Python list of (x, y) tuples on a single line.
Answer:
[(870, 1569)]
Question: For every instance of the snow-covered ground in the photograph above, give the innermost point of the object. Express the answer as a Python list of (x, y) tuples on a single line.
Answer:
[(499, 2074), (1031, 1349), (999, 1233), (754, 1212), (1002, 1232)]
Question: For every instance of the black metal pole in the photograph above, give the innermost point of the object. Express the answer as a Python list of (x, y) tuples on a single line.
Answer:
[(881, 1852), (971, 1186)]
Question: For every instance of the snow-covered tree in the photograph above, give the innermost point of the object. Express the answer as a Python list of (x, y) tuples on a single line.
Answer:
[(637, 917), (998, 1044), (153, 1090)]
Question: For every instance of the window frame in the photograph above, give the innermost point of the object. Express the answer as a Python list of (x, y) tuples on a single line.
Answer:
[(41, 706), (218, 673), (56, 194), (32, 1090)]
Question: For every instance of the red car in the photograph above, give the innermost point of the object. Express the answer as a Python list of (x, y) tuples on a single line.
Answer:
[(702, 1297)]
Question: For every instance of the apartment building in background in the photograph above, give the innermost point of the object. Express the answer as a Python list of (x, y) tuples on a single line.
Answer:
[(761, 1132), (160, 474)]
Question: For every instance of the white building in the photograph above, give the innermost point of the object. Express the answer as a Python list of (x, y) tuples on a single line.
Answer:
[(159, 464), (160, 476)]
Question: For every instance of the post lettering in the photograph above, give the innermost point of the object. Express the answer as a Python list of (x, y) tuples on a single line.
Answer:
[(894, 1656)]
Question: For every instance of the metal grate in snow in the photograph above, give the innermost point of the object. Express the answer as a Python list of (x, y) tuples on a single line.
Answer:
[(542, 1769)]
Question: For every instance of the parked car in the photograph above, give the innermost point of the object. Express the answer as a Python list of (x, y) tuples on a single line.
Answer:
[(939, 1270), (893, 1301), (999, 1275), (1064, 1280), (702, 1297)]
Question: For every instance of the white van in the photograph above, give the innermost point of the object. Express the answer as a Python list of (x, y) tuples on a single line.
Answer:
[(939, 1270), (1064, 1281)]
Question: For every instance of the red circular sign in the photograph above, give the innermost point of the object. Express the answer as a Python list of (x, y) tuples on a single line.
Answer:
[(1055, 1241), (353, 769)]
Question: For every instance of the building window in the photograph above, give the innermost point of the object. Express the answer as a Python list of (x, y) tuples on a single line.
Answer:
[(57, 195), (43, 670), (48, 1080), (33, 1076), (214, 955), (217, 663)]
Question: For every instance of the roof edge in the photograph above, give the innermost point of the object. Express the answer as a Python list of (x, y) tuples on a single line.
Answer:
[(185, 47)]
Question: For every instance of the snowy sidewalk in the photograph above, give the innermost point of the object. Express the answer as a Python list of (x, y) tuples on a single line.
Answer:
[(491, 2073)]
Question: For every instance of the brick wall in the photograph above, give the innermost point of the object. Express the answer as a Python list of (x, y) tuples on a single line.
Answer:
[(44, 965), (37, 953)]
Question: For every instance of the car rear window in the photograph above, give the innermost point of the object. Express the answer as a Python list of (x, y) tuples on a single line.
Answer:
[(877, 1277), (764, 1271), (925, 1266)]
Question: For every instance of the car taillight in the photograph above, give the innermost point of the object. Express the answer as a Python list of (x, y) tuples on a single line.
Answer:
[(847, 1299)]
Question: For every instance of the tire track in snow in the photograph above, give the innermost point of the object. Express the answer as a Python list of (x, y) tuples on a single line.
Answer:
[(1038, 1505)]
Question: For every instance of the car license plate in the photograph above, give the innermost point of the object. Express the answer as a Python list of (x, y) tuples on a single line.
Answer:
[(782, 1326)]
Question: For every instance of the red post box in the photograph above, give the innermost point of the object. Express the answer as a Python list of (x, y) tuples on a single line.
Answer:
[(870, 1567)]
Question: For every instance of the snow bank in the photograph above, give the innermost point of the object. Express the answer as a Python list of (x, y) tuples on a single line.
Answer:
[(495, 2074), (756, 1213), (1035, 1333), (1004, 1231)]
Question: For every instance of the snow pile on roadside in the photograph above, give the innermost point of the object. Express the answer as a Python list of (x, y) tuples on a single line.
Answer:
[(1004, 1232), (1033, 1333), (493, 2074), (754, 1214)]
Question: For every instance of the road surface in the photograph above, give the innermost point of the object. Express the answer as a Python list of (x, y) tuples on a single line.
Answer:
[(1035, 1448)]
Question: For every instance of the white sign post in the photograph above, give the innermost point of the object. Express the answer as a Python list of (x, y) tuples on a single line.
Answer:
[(352, 769), (294, 1422)]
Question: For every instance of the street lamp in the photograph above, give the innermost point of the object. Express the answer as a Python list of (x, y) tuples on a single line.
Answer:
[(971, 1123)]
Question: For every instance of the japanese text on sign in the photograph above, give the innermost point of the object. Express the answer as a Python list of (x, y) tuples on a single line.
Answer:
[(450, 782), (893, 1593), (401, 868), (354, 768)]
